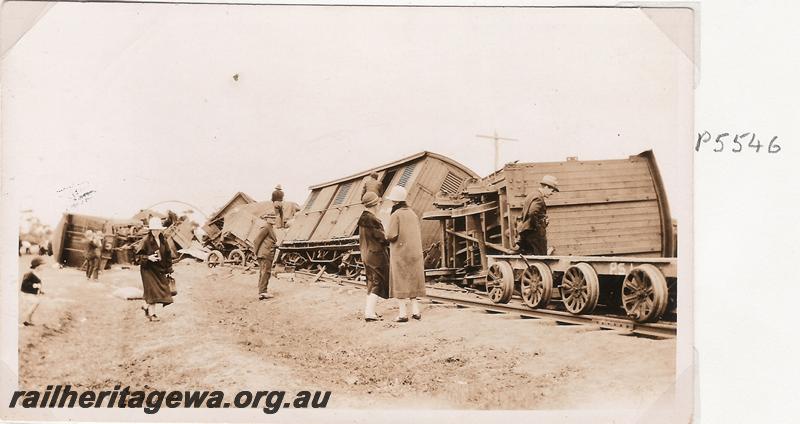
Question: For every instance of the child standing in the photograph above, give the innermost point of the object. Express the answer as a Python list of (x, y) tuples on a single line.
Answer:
[(31, 289)]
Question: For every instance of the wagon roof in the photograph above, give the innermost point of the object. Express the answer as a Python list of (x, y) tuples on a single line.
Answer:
[(396, 163), (219, 212)]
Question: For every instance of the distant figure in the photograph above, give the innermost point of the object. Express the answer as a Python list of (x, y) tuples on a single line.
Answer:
[(374, 254), (277, 201), (31, 289), (371, 183), (264, 246), (406, 270), (98, 251), (92, 255), (155, 266), (533, 227)]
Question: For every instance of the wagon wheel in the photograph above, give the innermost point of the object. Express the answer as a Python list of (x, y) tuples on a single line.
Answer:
[(351, 267), (580, 289), (500, 282), (215, 258), (294, 259), (251, 261), (536, 285), (237, 257), (645, 293)]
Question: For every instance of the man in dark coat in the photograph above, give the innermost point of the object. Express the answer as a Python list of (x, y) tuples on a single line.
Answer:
[(277, 202), (155, 266), (533, 227), (371, 183), (374, 254), (31, 288), (264, 246)]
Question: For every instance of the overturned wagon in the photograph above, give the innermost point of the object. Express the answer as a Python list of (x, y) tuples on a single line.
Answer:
[(610, 237), (324, 234)]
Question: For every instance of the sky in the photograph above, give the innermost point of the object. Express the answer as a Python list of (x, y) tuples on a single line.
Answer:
[(111, 108)]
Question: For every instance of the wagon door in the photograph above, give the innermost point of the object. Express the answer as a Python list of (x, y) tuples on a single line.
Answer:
[(306, 221)]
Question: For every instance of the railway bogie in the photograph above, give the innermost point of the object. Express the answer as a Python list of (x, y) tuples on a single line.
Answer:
[(645, 292)]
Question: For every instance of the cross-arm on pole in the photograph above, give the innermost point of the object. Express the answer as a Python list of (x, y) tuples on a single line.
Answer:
[(497, 141)]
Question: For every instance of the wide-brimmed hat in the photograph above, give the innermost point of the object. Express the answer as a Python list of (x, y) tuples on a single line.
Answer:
[(370, 199), (398, 194), (550, 181), (155, 224), (88, 233), (36, 262), (278, 187)]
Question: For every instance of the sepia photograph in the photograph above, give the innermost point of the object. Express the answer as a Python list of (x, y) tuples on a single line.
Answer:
[(347, 213)]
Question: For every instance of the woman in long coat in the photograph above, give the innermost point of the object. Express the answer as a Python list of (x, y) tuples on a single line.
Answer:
[(155, 263), (406, 264), (374, 254)]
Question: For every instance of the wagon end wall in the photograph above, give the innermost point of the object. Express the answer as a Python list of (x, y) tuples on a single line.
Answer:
[(604, 208)]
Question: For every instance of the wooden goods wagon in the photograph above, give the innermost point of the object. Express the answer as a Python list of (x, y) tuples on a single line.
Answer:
[(216, 221), (609, 221), (233, 243), (324, 234), (69, 241)]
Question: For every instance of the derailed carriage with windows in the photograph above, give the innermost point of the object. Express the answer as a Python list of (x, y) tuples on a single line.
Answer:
[(610, 238), (324, 234)]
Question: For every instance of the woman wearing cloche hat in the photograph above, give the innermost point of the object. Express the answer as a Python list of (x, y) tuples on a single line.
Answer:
[(406, 266), (374, 254)]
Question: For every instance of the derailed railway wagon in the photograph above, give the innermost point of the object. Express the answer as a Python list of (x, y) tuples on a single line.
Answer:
[(69, 241), (610, 237), (324, 234)]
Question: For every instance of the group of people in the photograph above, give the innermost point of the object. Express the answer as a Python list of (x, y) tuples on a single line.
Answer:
[(393, 261), (393, 258)]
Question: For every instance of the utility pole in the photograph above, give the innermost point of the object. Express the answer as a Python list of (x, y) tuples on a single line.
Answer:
[(497, 141)]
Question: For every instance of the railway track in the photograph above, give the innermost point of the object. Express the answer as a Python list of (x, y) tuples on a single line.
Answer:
[(660, 329)]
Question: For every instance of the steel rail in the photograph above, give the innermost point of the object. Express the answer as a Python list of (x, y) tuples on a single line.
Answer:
[(611, 323)]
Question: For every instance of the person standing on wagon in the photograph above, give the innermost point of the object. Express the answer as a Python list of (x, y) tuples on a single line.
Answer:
[(277, 203), (155, 265), (374, 254), (406, 265), (533, 227), (264, 246)]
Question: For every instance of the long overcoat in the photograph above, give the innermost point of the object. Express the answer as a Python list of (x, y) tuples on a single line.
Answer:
[(374, 253), (155, 284), (406, 265)]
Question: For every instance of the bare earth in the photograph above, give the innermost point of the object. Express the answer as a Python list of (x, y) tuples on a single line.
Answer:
[(217, 336)]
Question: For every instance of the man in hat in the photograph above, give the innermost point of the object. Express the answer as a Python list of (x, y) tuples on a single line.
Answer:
[(532, 228), (264, 246), (31, 288), (277, 202), (371, 183)]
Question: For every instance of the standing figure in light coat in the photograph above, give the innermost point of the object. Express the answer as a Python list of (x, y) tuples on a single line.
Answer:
[(406, 264)]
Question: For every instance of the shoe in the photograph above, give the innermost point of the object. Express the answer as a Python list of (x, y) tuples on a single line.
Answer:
[(154, 318), (372, 319), (401, 319), (417, 316), (28, 323), (264, 296)]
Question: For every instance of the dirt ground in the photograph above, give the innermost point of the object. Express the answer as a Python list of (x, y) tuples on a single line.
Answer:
[(311, 336)]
